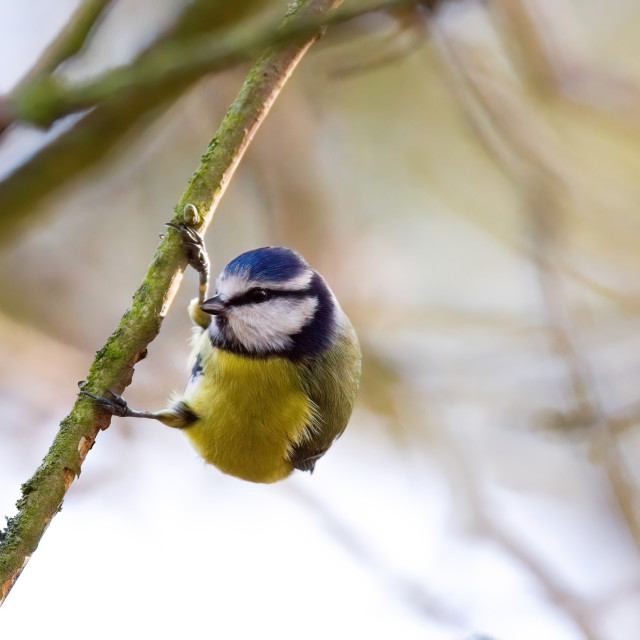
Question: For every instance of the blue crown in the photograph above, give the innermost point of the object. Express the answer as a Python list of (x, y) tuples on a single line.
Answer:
[(268, 263)]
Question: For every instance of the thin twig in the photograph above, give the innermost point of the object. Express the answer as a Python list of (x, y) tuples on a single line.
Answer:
[(43, 494)]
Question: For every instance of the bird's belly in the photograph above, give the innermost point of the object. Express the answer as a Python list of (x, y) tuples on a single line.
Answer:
[(250, 412)]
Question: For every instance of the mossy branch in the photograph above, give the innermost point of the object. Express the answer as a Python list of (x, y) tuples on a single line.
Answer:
[(112, 368)]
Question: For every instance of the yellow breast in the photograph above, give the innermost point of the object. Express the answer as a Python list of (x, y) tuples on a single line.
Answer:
[(251, 411)]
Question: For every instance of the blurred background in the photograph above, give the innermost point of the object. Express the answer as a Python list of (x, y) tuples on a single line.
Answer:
[(469, 185)]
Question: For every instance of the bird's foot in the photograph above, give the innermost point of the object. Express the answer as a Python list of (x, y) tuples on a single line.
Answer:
[(193, 243), (116, 405)]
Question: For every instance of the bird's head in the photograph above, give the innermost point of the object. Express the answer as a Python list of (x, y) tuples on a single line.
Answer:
[(269, 301)]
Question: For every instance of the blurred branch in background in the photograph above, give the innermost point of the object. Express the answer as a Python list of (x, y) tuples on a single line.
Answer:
[(512, 124), (47, 99), (65, 45), (485, 523), (43, 494), (551, 57), (208, 37), (425, 602), (526, 148), (396, 399), (85, 142), (545, 219)]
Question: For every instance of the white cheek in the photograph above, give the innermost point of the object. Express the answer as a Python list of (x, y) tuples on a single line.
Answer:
[(268, 326)]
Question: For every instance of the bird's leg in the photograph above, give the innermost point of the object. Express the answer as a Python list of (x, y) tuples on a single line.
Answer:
[(179, 417), (198, 259), (193, 242)]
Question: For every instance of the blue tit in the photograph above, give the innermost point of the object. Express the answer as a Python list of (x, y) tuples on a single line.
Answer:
[(275, 366)]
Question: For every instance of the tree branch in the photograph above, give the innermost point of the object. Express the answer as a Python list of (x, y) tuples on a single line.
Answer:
[(43, 494)]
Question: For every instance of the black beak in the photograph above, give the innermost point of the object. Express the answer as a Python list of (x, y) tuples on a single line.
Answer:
[(215, 306)]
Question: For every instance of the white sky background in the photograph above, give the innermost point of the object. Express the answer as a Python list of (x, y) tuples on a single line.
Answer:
[(375, 544)]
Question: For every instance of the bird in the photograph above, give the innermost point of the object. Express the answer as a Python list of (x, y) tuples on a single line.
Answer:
[(275, 365)]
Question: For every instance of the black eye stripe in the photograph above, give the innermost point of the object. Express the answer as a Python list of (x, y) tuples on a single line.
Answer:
[(253, 297)]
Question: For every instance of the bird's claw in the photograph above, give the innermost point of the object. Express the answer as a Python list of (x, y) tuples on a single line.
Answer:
[(194, 245), (189, 235), (115, 404)]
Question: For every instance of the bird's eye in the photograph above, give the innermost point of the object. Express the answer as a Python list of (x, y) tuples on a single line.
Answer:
[(258, 295)]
